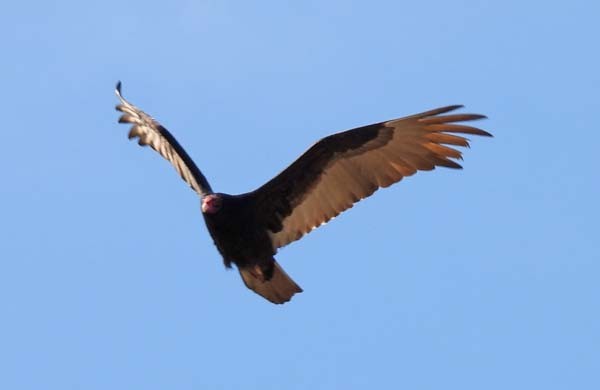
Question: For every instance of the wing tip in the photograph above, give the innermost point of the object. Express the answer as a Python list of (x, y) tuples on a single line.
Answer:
[(119, 106), (443, 110), (475, 117), (453, 107), (123, 103), (482, 133)]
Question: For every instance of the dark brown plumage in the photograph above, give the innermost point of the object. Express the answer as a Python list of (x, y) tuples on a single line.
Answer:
[(328, 178)]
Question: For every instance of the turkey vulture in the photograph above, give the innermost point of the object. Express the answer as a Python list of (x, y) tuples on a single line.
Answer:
[(328, 178)]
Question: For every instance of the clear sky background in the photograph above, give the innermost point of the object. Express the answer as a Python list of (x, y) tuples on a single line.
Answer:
[(485, 278)]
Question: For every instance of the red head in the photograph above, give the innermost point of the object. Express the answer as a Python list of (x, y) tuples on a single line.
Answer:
[(211, 203)]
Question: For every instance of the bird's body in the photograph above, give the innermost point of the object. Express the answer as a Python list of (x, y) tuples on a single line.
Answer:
[(233, 227), (327, 179)]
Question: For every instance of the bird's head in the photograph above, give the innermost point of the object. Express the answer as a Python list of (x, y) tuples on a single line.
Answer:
[(211, 203)]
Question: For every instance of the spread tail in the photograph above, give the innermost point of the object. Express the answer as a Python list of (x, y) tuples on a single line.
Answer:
[(278, 288)]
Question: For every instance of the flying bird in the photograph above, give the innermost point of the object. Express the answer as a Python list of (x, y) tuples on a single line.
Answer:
[(332, 175)]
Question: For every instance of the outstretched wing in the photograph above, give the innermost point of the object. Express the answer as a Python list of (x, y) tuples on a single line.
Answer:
[(346, 167), (153, 134)]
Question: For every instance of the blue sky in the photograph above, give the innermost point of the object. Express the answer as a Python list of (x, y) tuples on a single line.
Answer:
[(485, 278)]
